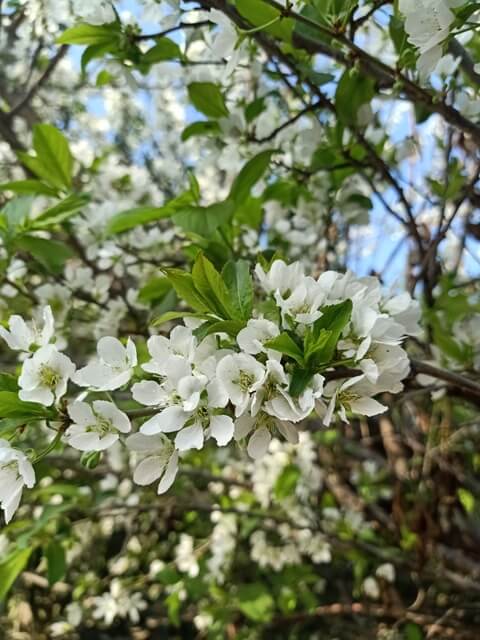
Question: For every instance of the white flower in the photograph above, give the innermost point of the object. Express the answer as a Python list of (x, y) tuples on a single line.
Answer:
[(95, 427), (428, 23), (114, 367), (371, 588), (386, 571), (97, 12), (192, 407), (16, 471), (281, 278), (347, 396), (251, 338), (239, 375), (161, 463), (224, 44), (22, 335), (45, 375)]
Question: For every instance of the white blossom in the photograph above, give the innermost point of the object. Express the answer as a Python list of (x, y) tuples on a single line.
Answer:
[(16, 472), (95, 427), (114, 366), (45, 376)]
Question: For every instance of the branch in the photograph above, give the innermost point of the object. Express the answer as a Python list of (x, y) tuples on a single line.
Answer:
[(384, 74), (455, 379), (467, 65), (39, 83), (178, 27)]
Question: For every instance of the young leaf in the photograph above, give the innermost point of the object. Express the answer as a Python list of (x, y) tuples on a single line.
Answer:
[(207, 98), (51, 254), (286, 345), (132, 218), (12, 407), (53, 152), (204, 221), (249, 175), (353, 91), (211, 287), (299, 382), (165, 49), (201, 128), (156, 289), (28, 187), (11, 568), (91, 34), (56, 562), (238, 280), (64, 210), (184, 285), (321, 340)]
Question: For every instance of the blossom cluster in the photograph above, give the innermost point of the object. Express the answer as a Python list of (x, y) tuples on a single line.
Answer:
[(323, 346)]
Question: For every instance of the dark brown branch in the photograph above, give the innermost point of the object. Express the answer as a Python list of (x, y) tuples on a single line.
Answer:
[(385, 75), (39, 83), (455, 379), (178, 27)]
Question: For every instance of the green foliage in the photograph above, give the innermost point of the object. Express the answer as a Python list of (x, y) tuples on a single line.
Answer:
[(12, 407), (354, 90), (204, 221), (201, 128), (256, 602), (164, 49), (91, 34), (50, 254), (208, 99), (250, 174), (285, 343), (56, 562), (127, 220), (238, 281), (53, 161), (11, 568)]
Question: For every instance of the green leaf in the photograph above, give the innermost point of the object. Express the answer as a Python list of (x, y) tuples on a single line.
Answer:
[(467, 499), (321, 340), (287, 482), (165, 49), (64, 210), (249, 175), (156, 289), (412, 631), (53, 161), (12, 407), (91, 34), (28, 187), (8, 382), (51, 254), (201, 128), (286, 345), (11, 568), (183, 284), (353, 91), (207, 98), (254, 109), (204, 221), (259, 13), (56, 562), (144, 215), (255, 602), (17, 211), (175, 315), (209, 284), (230, 327), (300, 381), (238, 280)]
